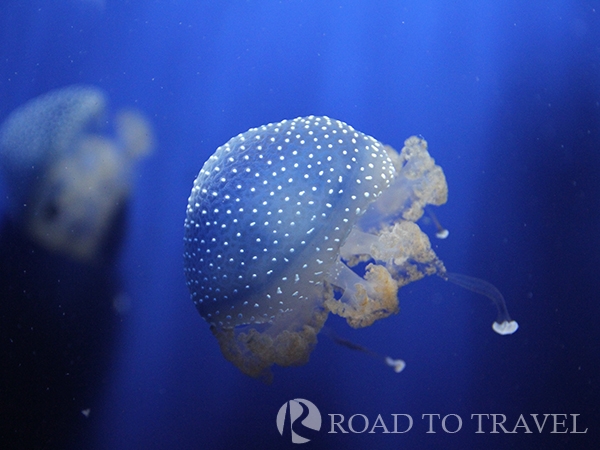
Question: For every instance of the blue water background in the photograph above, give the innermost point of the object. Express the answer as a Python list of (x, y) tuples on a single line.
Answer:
[(508, 96)]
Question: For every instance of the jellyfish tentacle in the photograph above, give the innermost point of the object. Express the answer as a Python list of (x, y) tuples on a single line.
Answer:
[(441, 232), (503, 324), (397, 364)]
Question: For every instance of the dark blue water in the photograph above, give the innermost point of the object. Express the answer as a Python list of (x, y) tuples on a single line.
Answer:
[(508, 97)]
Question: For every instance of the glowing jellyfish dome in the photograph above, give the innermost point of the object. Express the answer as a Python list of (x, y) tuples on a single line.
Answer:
[(280, 215)]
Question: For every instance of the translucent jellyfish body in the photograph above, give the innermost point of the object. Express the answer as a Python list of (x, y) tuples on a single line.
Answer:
[(280, 215), (67, 174)]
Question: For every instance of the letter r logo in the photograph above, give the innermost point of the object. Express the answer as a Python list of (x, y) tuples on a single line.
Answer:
[(302, 411)]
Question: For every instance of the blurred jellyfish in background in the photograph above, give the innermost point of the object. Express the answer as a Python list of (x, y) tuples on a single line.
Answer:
[(67, 164), (67, 177), (293, 220)]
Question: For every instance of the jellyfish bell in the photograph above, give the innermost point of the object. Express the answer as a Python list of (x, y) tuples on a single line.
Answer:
[(265, 221), (42, 129), (280, 215), (68, 176)]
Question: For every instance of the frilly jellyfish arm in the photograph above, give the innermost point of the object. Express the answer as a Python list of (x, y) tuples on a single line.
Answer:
[(418, 182), (134, 134), (398, 251), (388, 238), (400, 255), (503, 324)]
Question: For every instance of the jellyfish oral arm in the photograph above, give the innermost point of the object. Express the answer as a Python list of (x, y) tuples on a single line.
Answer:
[(359, 243), (503, 324), (379, 247), (395, 256), (342, 276)]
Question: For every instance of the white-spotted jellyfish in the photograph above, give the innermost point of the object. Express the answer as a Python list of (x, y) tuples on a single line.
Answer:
[(68, 173), (280, 215)]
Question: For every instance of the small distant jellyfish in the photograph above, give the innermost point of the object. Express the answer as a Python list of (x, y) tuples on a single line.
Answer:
[(67, 174), (281, 218)]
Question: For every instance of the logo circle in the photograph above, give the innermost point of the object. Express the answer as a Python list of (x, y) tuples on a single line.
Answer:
[(299, 409)]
